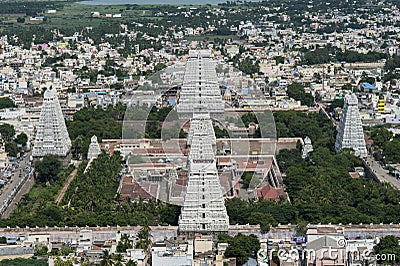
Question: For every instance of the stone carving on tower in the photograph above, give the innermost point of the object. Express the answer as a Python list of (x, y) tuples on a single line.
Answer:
[(52, 135), (307, 147), (94, 148), (203, 208), (350, 132), (200, 91)]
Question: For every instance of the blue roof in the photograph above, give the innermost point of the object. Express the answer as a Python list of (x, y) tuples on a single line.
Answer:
[(366, 85)]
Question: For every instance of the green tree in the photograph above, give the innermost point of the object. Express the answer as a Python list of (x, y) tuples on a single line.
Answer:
[(381, 135), (24, 262), (20, 20), (47, 168), (124, 243), (6, 102), (297, 92), (386, 246), (318, 56), (60, 262), (41, 250), (21, 139), (131, 263), (11, 148), (106, 259), (144, 238), (391, 151), (241, 247), (7, 132)]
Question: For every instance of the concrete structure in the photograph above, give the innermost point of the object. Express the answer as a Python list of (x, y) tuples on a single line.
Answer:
[(167, 255), (52, 135), (322, 246), (307, 147), (350, 132), (200, 90), (94, 148), (203, 209)]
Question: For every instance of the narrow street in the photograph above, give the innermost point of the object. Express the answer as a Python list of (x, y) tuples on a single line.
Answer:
[(15, 188), (381, 173)]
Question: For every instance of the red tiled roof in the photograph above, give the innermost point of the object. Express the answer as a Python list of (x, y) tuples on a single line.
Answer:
[(269, 192), (354, 175)]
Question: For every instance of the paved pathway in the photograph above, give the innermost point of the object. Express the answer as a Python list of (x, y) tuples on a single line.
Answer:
[(66, 185)]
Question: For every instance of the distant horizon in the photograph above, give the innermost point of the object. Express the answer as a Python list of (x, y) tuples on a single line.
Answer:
[(155, 2)]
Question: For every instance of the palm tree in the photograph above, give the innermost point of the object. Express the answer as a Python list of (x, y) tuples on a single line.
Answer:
[(78, 143), (131, 263), (118, 259), (107, 259)]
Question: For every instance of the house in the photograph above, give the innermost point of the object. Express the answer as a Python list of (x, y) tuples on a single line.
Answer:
[(269, 192)]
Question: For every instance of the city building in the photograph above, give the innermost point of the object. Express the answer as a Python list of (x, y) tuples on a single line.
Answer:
[(171, 254)]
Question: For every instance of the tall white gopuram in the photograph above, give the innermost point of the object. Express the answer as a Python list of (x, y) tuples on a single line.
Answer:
[(200, 91), (52, 135), (203, 208), (94, 148), (350, 132)]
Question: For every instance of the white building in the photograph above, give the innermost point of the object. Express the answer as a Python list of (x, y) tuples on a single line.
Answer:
[(171, 256)]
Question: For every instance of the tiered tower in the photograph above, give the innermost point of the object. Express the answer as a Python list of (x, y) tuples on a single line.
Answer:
[(200, 91), (94, 148), (203, 209), (52, 135), (350, 132), (307, 148)]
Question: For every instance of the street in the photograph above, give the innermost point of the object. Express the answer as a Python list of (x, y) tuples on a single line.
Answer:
[(381, 173), (22, 172)]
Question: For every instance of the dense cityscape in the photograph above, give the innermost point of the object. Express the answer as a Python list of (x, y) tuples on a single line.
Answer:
[(227, 133)]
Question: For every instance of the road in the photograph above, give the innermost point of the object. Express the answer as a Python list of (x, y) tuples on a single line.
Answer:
[(11, 192), (381, 173)]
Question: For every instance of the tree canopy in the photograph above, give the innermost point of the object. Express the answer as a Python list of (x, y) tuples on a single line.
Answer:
[(105, 124), (7, 132), (88, 203), (6, 102), (242, 247), (296, 91), (24, 262), (48, 168), (387, 246)]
